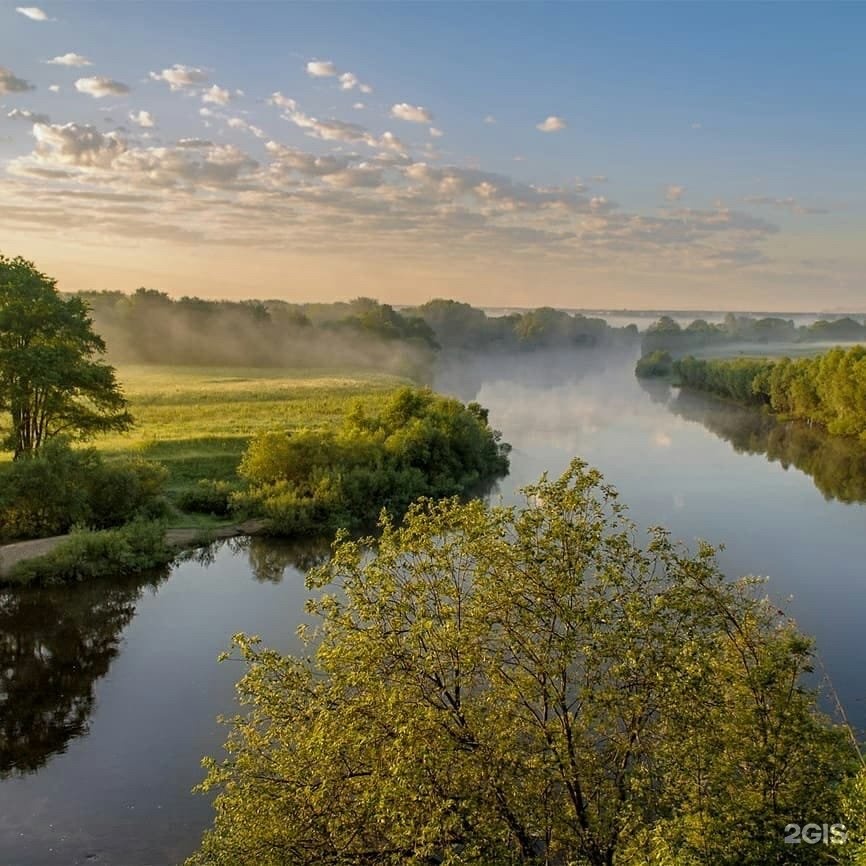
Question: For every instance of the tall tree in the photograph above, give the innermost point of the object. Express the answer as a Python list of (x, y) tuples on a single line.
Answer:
[(52, 378), (504, 686)]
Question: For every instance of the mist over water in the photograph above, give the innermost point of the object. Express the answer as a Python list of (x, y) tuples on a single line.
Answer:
[(113, 787)]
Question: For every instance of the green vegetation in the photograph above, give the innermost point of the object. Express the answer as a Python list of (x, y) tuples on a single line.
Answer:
[(418, 444), (87, 555), (829, 389), (668, 334), (494, 685), (52, 381), (198, 421), (658, 363), (58, 488)]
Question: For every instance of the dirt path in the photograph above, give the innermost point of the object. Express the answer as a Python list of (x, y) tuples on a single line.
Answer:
[(12, 554)]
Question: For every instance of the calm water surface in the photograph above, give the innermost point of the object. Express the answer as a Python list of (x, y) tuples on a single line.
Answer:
[(109, 693)]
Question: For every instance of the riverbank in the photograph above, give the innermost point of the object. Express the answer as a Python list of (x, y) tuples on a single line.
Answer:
[(176, 540)]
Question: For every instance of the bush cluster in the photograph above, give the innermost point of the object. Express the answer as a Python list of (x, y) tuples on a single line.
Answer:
[(61, 487), (420, 444)]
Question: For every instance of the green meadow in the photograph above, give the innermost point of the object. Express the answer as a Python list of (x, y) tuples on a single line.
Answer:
[(197, 421)]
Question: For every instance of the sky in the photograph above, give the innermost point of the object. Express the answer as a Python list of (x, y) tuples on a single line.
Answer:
[(618, 155)]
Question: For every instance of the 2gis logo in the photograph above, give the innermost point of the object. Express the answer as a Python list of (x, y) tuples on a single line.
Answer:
[(813, 834)]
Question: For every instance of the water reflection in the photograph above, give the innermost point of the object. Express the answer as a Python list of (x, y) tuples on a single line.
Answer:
[(836, 464), (54, 645)]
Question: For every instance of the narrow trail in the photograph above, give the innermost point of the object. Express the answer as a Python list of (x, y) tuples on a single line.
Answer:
[(180, 539)]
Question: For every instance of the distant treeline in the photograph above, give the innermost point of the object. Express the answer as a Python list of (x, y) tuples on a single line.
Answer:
[(150, 327), (828, 389), (668, 334)]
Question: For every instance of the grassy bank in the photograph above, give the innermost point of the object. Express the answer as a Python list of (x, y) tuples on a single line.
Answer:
[(197, 421)]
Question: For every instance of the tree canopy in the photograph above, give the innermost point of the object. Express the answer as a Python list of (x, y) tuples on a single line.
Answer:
[(52, 378), (492, 685)]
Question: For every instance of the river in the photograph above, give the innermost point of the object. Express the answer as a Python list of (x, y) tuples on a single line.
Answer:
[(110, 692)]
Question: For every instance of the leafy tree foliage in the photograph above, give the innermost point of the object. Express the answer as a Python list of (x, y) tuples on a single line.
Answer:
[(658, 363), (829, 389), (493, 685), (420, 444), (52, 380)]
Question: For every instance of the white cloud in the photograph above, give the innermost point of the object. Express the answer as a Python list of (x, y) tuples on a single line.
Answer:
[(551, 124), (99, 86), (365, 88), (359, 106), (142, 118), (321, 69), (217, 95), (281, 101), (54, 88), (180, 77), (490, 119), (10, 83), (412, 113), (29, 116), (70, 59), (34, 13), (436, 133), (348, 81), (674, 192)]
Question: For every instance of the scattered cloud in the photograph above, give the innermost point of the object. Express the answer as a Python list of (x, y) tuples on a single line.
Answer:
[(143, 119), (490, 119), (54, 88), (217, 95), (412, 113), (697, 125), (281, 101), (551, 124), (180, 77), (359, 106), (70, 59), (599, 178), (99, 87), (321, 69), (789, 204), (27, 115), (436, 133), (674, 192), (34, 13), (10, 83)]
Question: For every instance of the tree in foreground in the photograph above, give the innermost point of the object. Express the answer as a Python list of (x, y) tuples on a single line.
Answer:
[(52, 380), (491, 685)]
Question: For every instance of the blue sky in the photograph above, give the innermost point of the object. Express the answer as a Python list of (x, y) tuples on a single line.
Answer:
[(697, 154)]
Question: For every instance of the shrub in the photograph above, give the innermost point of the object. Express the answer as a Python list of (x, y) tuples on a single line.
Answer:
[(209, 497), (420, 444), (87, 554), (60, 487)]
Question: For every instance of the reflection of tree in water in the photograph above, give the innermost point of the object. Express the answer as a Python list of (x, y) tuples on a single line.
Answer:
[(269, 557), (55, 643), (836, 464)]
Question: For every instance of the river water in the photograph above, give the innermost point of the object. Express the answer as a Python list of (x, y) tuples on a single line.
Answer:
[(109, 692)]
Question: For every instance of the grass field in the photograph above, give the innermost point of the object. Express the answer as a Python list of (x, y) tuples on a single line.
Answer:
[(198, 420)]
